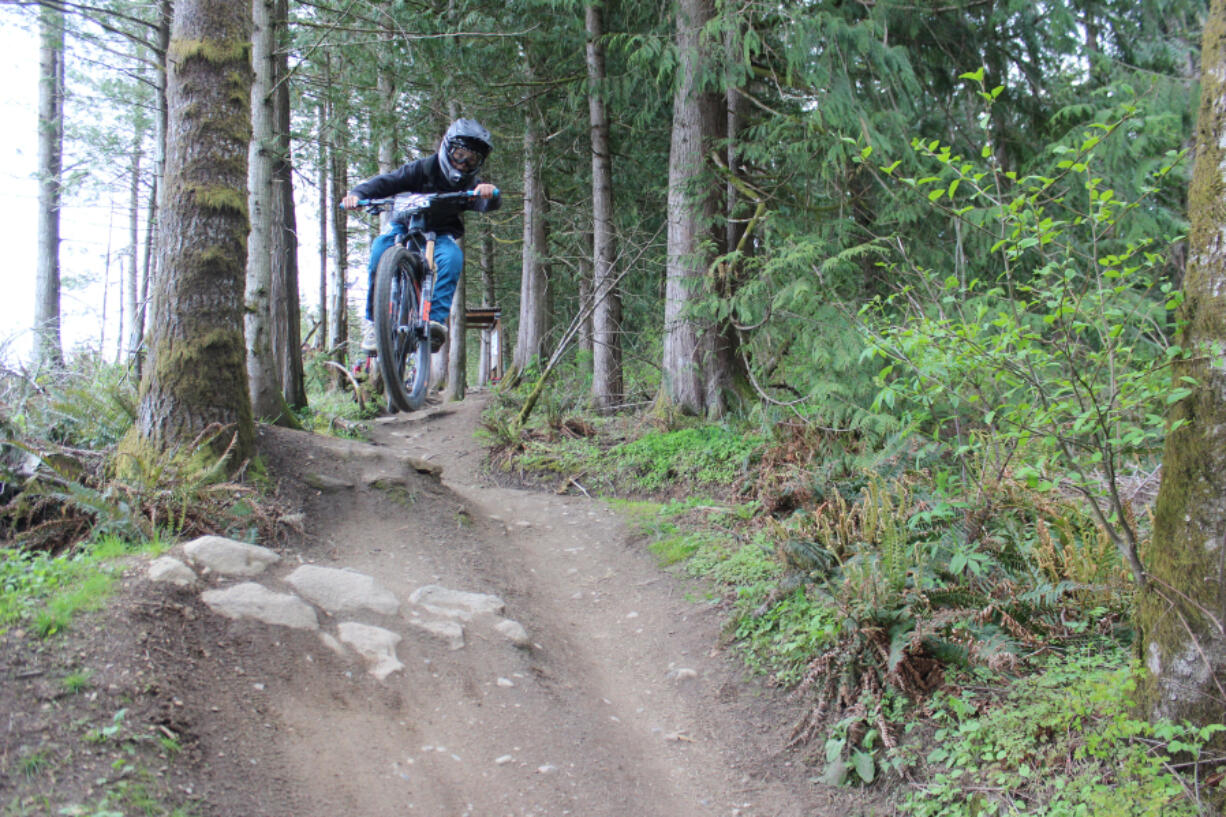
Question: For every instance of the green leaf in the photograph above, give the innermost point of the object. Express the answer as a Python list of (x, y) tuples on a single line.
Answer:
[(865, 766)]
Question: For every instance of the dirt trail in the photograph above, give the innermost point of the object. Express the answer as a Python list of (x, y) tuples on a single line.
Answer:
[(621, 706)]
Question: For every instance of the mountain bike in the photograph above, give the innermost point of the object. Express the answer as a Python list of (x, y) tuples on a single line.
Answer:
[(404, 283)]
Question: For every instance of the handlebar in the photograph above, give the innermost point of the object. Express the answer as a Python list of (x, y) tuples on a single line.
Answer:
[(377, 205)]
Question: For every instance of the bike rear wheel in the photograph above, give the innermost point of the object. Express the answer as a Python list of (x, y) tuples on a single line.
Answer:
[(404, 356)]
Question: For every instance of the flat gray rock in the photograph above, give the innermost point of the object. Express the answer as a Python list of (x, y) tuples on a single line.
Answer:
[(229, 557), (449, 631), (169, 570), (255, 601), (342, 591), (376, 645), (456, 603)]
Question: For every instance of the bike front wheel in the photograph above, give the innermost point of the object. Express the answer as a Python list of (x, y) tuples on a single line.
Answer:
[(404, 356)]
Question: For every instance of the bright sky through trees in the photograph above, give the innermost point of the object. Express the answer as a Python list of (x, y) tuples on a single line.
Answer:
[(86, 219)]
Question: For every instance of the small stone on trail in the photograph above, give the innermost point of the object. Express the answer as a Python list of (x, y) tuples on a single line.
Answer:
[(505, 682), (502, 761), (682, 674), (229, 557), (169, 570), (546, 769), (514, 631)]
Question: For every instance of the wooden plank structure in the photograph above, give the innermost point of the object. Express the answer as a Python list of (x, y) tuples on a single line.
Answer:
[(489, 320)]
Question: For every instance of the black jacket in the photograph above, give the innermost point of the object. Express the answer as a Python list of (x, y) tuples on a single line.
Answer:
[(424, 176)]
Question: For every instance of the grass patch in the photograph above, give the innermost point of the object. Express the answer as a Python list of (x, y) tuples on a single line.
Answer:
[(75, 682), (699, 456), (47, 591), (33, 764)]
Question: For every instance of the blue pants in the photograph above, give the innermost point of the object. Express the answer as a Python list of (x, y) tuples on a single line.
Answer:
[(448, 258)]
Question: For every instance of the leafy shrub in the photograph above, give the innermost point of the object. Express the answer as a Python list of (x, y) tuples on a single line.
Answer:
[(1059, 743)]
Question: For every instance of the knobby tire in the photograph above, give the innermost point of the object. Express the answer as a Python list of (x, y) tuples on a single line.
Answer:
[(404, 359)]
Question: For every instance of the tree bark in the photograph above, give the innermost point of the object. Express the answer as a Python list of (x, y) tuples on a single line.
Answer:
[(286, 304), (607, 386), (48, 347), (267, 402), (690, 363), (196, 377), (325, 205), (338, 332), (1181, 608), (533, 316), (149, 268), (131, 287)]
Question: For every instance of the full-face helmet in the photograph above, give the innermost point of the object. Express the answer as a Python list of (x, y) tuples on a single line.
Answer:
[(463, 151)]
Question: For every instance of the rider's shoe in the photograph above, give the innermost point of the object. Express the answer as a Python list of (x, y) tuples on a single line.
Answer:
[(438, 336), (368, 336)]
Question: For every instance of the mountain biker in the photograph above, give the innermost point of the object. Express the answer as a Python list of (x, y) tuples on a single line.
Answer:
[(462, 151)]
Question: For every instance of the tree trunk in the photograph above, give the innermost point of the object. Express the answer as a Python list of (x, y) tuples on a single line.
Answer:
[(325, 205), (1180, 613), (196, 377), (286, 304), (587, 274), (607, 387), (149, 268), (132, 286), (690, 363), (267, 402), (338, 333), (48, 347), (533, 316)]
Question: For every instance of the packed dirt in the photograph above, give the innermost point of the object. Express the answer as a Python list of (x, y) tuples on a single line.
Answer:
[(621, 702)]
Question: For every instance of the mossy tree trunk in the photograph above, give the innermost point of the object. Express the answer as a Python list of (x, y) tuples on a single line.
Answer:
[(1183, 605), (196, 379), (693, 368)]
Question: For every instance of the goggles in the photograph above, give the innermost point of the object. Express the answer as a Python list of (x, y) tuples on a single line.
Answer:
[(464, 159)]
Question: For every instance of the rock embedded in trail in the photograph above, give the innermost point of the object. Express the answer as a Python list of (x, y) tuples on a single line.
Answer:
[(169, 570), (343, 590), (514, 632), (457, 604), (325, 482), (255, 601), (376, 645), (450, 631), (228, 556)]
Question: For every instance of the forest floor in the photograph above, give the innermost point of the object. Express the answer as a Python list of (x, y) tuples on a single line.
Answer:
[(624, 703)]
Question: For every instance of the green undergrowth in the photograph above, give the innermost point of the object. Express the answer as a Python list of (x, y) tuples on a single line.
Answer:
[(44, 592), (1061, 742), (618, 457), (913, 595)]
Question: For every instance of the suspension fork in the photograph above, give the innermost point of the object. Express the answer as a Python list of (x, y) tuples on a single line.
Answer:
[(427, 286)]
